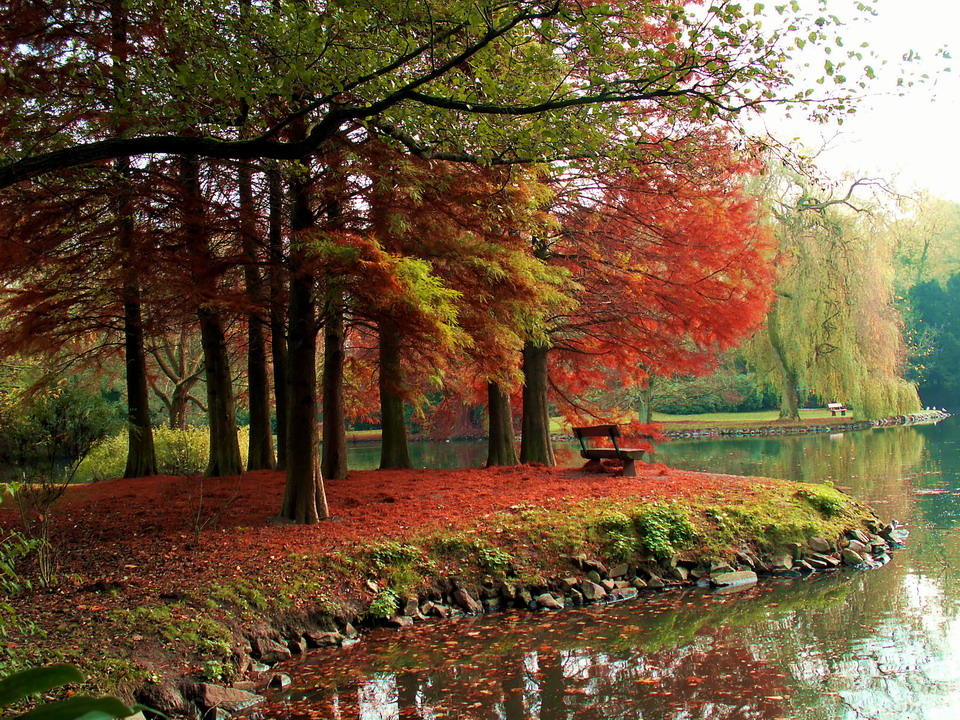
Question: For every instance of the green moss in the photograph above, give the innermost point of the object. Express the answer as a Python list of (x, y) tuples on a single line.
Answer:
[(824, 499), (179, 625)]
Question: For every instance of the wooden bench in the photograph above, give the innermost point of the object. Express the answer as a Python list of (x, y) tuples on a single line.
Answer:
[(835, 408), (628, 457)]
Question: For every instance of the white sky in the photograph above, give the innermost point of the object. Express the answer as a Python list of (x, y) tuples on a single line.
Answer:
[(912, 140)]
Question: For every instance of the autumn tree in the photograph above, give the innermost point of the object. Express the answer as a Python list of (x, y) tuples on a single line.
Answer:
[(671, 266)]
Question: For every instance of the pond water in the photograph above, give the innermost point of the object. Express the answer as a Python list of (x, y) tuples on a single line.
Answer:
[(879, 644)]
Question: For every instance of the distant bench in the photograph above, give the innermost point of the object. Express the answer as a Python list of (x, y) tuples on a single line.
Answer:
[(835, 408), (612, 432)]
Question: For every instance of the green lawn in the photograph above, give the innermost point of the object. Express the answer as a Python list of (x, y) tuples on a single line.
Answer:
[(760, 416)]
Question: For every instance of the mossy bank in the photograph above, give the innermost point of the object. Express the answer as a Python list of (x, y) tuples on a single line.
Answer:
[(184, 648)]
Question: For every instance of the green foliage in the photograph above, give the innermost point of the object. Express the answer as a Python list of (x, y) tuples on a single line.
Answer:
[(391, 553), (663, 530), (203, 635), (34, 681), (657, 530), (179, 452), (384, 604), (934, 327), (487, 556), (50, 420), (833, 330), (725, 390), (824, 499)]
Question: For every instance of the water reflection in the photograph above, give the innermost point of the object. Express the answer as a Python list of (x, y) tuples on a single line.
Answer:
[(883, 644)]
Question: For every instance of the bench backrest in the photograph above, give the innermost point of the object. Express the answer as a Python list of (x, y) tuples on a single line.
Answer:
[(608, 431), (834, 406)]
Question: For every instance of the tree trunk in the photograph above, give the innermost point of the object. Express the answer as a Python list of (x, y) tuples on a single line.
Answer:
[(502, 445), (394, 454), (789, 401), (141, 455), (304, 500), (645, 401), (178, 407), (278, 327), (260, 445), (334, 462), (535, 445), (221, 413)]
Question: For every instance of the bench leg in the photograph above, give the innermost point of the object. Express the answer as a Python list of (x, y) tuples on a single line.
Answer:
[(629, 467)]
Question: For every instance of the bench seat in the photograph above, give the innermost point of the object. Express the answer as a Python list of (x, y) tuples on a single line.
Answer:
[(627, 456)]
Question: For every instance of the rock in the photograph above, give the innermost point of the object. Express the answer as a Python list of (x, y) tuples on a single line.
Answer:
[(820, 546), (466, 601), (608, 585), (411, 606), (491, 605), (594, 566), (594, 577), (349, 630), (717, 567), (163, 697), (508, 591), (782, 561), (280, 681), (399, 621), (259, 667), (569, 582), (268, 650), (748, 559), (857, 546), (851, 557), (859, 535), (216, 696), (549, 601), (248, 685), (655, 582), (526, 598), (440, 610), (626, 593), (678, 572), (576, 597), (639, 583), (591, 591), (621, 584), (324, 639), (795, 549), (804, 565), (372, 585), (823, 561), (297, 645), (618, 571), (734, 579)]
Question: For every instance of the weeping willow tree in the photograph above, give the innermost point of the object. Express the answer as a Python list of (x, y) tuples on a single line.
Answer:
[(832, 330)]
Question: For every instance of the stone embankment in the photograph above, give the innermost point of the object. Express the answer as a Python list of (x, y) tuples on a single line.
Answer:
[(826, 426), (589, 580)]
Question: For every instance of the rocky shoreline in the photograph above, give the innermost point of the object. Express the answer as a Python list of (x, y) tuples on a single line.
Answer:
[(260, 651), (927, 416)]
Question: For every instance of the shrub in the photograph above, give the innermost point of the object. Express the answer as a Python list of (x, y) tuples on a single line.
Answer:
[(179, 452), (663, 529), (824, 499)]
